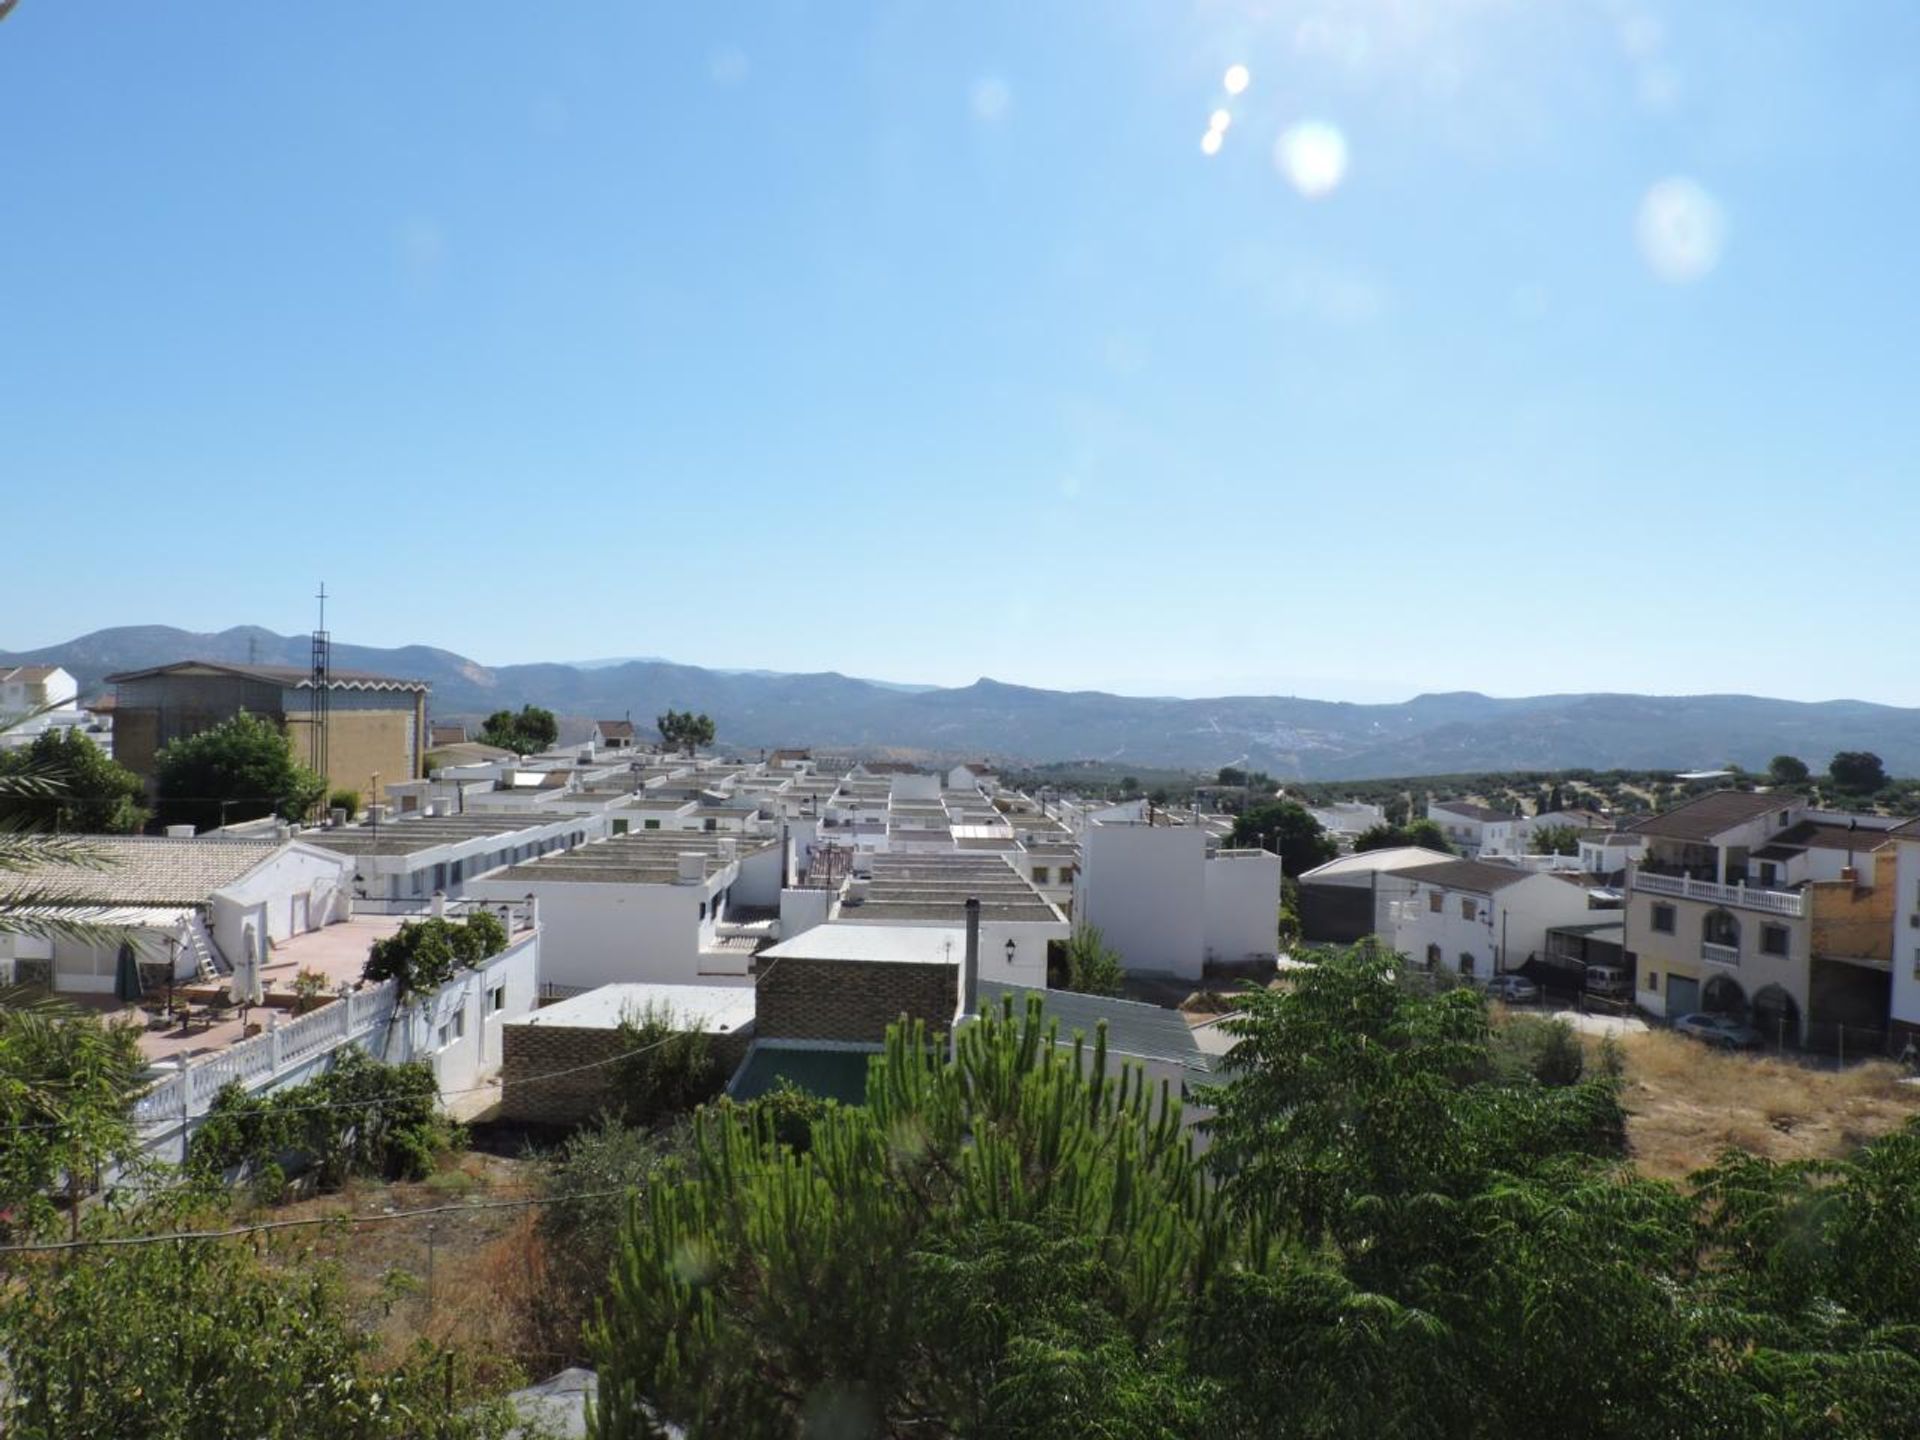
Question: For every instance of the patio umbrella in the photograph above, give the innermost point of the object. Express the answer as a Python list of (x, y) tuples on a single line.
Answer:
[(126, 976), (244, 988)]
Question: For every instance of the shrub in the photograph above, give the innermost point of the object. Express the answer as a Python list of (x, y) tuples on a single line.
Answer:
[(423, 954), (362, 1117), (665, 1071), (1534, 1047), (347, 800)]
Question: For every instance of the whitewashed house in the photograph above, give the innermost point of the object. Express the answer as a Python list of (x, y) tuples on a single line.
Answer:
[(1476, 830), (1474, 918), (191, 908), (1168, 903)]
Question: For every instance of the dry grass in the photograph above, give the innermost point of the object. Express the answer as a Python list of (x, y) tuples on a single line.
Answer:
[(1686, 1103), (482, 1266)]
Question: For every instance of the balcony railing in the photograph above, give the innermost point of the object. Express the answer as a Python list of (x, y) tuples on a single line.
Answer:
[(1728, 955), (1773, 902)]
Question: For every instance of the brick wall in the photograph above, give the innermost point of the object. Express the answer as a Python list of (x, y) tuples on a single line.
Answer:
[(1852, 920), (536, 1050), (852, 1000)]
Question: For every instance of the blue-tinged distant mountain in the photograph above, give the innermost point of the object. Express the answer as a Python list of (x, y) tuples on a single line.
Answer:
[(1311, 739)]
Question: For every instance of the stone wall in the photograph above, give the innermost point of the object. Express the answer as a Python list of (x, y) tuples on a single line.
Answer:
[(852, 1000), (532, 1051)]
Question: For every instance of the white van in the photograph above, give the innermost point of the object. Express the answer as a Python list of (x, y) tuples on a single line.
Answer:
[(1608, 980)]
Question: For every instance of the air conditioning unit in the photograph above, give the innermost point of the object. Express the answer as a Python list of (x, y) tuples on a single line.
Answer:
[(1913, 922)]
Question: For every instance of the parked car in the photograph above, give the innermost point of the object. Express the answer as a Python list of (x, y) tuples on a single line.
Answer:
[(1513, 989), (1609, 980), (1721, 1030)]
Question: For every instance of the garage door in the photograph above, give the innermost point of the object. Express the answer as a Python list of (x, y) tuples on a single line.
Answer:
[(1683, 995)]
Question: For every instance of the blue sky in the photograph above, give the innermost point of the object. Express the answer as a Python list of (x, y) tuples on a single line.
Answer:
[(1513, 347)]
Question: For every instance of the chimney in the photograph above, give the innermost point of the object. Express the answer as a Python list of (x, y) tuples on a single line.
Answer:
[(693, 867), (970, 961)]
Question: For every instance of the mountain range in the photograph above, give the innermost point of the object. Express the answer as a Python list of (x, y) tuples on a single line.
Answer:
[(1301, 738)]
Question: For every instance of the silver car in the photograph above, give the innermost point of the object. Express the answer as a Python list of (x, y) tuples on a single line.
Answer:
[(1513, 989), (1719, 1030)]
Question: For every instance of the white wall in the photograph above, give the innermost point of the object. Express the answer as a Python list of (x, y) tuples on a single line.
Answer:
[(1906, 938), (1525, 912), (599, 933), (301, 885), (1243, 907), (1145, 888), (463, 1011)]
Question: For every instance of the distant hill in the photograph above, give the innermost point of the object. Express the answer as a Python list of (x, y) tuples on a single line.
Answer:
[(1307, 739)]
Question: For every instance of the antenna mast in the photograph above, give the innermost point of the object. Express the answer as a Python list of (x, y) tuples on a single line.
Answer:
[(322, 681)]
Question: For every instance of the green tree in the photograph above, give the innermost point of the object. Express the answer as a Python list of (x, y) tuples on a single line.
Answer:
[(1289, 831), (684, 730), (78, 787), (528, 732), (240, 769), (1859, 771), (68, 1081), (665, 1069), (1425, 833), (1787, 770), (1229, 775), (996, 1243), (1091, 966), (347, 800), (422, 955), (1556, 840)]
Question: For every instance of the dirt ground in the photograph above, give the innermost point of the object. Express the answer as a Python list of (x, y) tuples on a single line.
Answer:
[(1686, 1103), (452, 1279)]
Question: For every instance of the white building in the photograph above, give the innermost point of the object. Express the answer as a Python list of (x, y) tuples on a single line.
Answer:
[(1471, 917), (667, 907), (190, 908), (401, 864), (1347, 820), (1476, 830), (1167, 905), (39, 698)]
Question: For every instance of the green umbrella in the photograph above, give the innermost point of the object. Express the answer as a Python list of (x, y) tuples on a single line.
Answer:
[(126, 975)]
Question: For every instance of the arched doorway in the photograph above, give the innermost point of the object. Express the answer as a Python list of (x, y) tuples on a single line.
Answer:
[(1723, 996), (1776, 1016), (1433, 957), (1720, 928)]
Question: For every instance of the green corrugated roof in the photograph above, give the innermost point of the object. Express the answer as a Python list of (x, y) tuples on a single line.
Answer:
[(830, 1074)]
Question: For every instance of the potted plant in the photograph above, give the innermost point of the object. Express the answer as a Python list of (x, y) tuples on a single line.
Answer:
[(309, 991)]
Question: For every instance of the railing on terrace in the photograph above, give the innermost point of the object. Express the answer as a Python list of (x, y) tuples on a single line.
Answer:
[(185, 1095), (1712, 954), (1773, 902), (518, 916)]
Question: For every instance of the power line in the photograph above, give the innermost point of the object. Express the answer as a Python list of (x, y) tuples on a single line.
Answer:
[(123, 1242)]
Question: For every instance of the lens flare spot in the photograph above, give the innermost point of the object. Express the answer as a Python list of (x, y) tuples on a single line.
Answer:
[(1313, 157), (1681, 230), (1211, 141), (1219, 120), (1236, 80)]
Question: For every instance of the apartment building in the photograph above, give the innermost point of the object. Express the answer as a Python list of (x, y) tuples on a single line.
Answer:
[(402, 863), (1756, 906)]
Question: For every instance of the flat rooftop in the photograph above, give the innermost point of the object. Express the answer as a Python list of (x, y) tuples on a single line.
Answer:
[(646, 857), (711, 1009), (900, 944), (410, 835)]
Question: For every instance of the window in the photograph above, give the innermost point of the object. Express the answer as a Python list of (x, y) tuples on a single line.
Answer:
[(1663, 919), (1066, 874), (453, 1028), (1433, 957), (1466, 963), (1916, 964), (1436, 902), (497, 998), (1040, 874), (1469, 910), (650, 825), (1774, 939), (1652, 981), (703, 909), (619, 827)]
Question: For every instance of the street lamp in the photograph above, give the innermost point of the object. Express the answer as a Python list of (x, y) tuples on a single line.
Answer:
[(1012, 945)]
